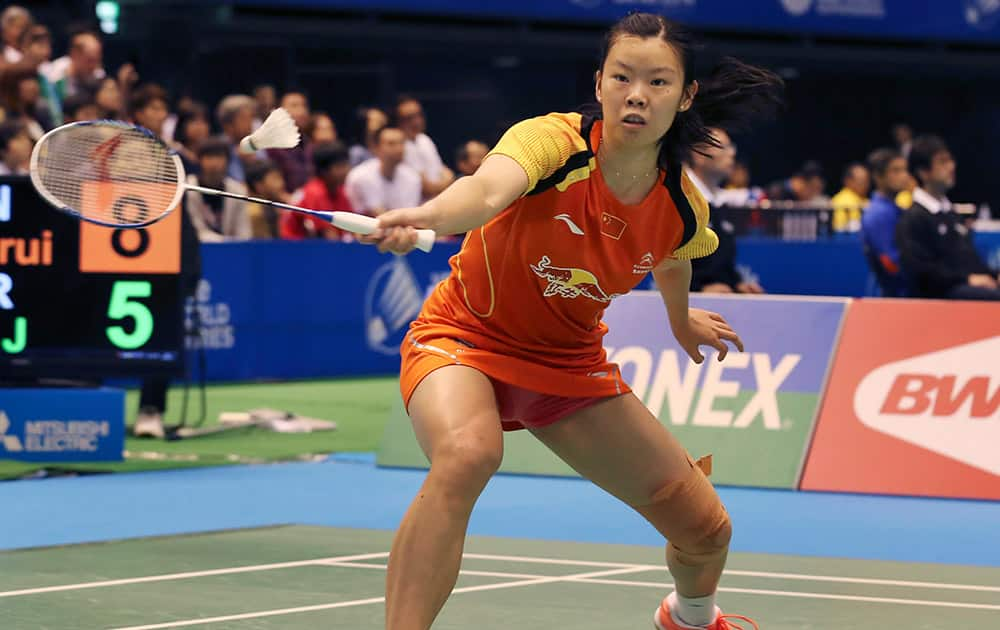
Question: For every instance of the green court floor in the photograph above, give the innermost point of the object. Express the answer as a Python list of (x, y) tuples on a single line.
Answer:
[(314, 577)]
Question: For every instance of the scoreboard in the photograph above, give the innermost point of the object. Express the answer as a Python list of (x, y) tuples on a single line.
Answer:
[(83, 301)]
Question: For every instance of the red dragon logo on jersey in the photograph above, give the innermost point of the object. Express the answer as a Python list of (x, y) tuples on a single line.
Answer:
[(569, 282)]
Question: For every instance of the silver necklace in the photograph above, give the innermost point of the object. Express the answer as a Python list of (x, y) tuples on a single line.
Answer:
[(618, 174)]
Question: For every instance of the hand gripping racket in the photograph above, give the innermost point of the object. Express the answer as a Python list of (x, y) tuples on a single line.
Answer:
[(116, 174)]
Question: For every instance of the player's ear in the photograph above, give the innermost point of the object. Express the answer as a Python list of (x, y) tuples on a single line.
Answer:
[(688, 99), (597, 86)]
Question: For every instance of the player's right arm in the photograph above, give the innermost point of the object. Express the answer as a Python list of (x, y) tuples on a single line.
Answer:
[(466, 205), (530, 151)]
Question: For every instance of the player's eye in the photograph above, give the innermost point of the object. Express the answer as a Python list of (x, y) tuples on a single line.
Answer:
[(620, 77), (658, 82)]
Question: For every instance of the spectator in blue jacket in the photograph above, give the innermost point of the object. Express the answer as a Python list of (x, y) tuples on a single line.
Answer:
[(878, 224)]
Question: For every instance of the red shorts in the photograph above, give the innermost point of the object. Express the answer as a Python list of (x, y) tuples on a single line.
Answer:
[(522, 408)]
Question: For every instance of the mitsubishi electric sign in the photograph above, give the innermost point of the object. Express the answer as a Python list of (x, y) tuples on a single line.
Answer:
[(64, 425)]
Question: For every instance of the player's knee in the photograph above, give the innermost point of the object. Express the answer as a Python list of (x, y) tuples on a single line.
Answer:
[(467, 460), (689, 513)]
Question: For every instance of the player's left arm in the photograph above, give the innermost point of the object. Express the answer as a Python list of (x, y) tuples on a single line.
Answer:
[(692, 327)]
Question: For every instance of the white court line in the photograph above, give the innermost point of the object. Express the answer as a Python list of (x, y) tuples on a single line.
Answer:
[(802, 594), (190, 574), (383, 567), (760, 574), (374, 600), (481, 556)]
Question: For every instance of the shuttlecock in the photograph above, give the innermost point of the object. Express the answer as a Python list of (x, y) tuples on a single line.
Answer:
[(278, 132)]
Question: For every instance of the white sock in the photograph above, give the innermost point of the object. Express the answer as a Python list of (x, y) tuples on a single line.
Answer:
[(693, 611)]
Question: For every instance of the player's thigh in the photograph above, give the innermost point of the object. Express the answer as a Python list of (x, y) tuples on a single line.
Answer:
[(620, 446), (456, 420)]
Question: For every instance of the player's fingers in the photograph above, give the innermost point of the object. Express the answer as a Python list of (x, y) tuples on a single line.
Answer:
[(396, 218), (721, 346), (729, 335), (716, 317), (694, 353), (398, 240), (406, 240)]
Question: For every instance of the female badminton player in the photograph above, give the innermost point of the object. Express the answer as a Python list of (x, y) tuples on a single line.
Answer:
[(567, 212)]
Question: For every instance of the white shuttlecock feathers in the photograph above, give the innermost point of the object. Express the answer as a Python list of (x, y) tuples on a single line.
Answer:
[(278, 132)]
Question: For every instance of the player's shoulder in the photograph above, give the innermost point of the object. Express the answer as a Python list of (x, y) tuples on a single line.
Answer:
[(566, 124)]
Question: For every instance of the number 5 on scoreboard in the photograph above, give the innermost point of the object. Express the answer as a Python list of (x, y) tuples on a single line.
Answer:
[(124, 294)]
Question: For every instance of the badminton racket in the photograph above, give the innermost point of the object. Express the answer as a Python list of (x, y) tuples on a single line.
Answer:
[(116, 174)]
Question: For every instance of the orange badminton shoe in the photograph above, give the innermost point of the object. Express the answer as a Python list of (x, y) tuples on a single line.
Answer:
[(663, 620)]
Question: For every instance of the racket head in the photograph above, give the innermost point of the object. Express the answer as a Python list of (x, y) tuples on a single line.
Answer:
[(107, 172)]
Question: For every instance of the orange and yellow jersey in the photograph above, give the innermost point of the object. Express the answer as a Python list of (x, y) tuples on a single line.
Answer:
[(526, 293)]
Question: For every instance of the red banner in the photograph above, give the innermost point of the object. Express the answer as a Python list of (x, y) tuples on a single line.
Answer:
[(913, 402)]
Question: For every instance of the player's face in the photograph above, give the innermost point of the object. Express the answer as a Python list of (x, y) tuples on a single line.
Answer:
[(641, 88)]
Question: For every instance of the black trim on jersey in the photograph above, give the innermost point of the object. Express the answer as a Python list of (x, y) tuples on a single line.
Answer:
[(575, 161), (672, 181)]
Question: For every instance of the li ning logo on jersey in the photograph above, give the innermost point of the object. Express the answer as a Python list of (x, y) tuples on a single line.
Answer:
[(645, 265)]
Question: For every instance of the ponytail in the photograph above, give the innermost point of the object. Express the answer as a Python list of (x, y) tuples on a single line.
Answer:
[(733, 96)]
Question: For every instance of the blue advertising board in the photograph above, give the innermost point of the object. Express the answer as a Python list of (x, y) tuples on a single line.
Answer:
[(908, 19), (311, 309), (62, 425), (305, 309)]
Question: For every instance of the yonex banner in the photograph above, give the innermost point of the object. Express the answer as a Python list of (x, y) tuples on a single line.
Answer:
[(754, 411), (913, 405), (62, 425)]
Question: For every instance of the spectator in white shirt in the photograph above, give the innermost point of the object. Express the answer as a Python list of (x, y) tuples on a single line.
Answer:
[(81, 69), (235, 115), (384, 182), (421, 152)]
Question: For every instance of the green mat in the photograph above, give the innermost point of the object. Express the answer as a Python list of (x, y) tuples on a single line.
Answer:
[(360, 408)]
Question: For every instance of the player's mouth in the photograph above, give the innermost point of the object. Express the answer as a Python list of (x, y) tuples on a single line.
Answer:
[(634, 121)]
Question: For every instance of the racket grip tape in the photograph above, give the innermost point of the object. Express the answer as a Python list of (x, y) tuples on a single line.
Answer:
[(361, 224)]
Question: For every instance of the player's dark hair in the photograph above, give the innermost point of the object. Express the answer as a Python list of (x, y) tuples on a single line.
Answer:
[(922, 153), (731, 97), (880, 159)]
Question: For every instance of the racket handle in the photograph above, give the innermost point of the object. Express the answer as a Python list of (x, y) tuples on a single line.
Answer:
[(361, 224)]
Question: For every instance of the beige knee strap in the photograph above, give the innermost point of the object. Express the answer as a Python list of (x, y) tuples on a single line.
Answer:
[(690, 515)]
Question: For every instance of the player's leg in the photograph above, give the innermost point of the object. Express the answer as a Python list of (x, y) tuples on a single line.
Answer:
[(622, 448), (455, 417)]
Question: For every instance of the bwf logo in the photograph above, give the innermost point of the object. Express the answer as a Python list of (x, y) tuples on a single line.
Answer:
[(10, 442), (947, 402)]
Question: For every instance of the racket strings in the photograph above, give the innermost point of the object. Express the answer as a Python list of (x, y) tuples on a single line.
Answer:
[(107, 173)]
